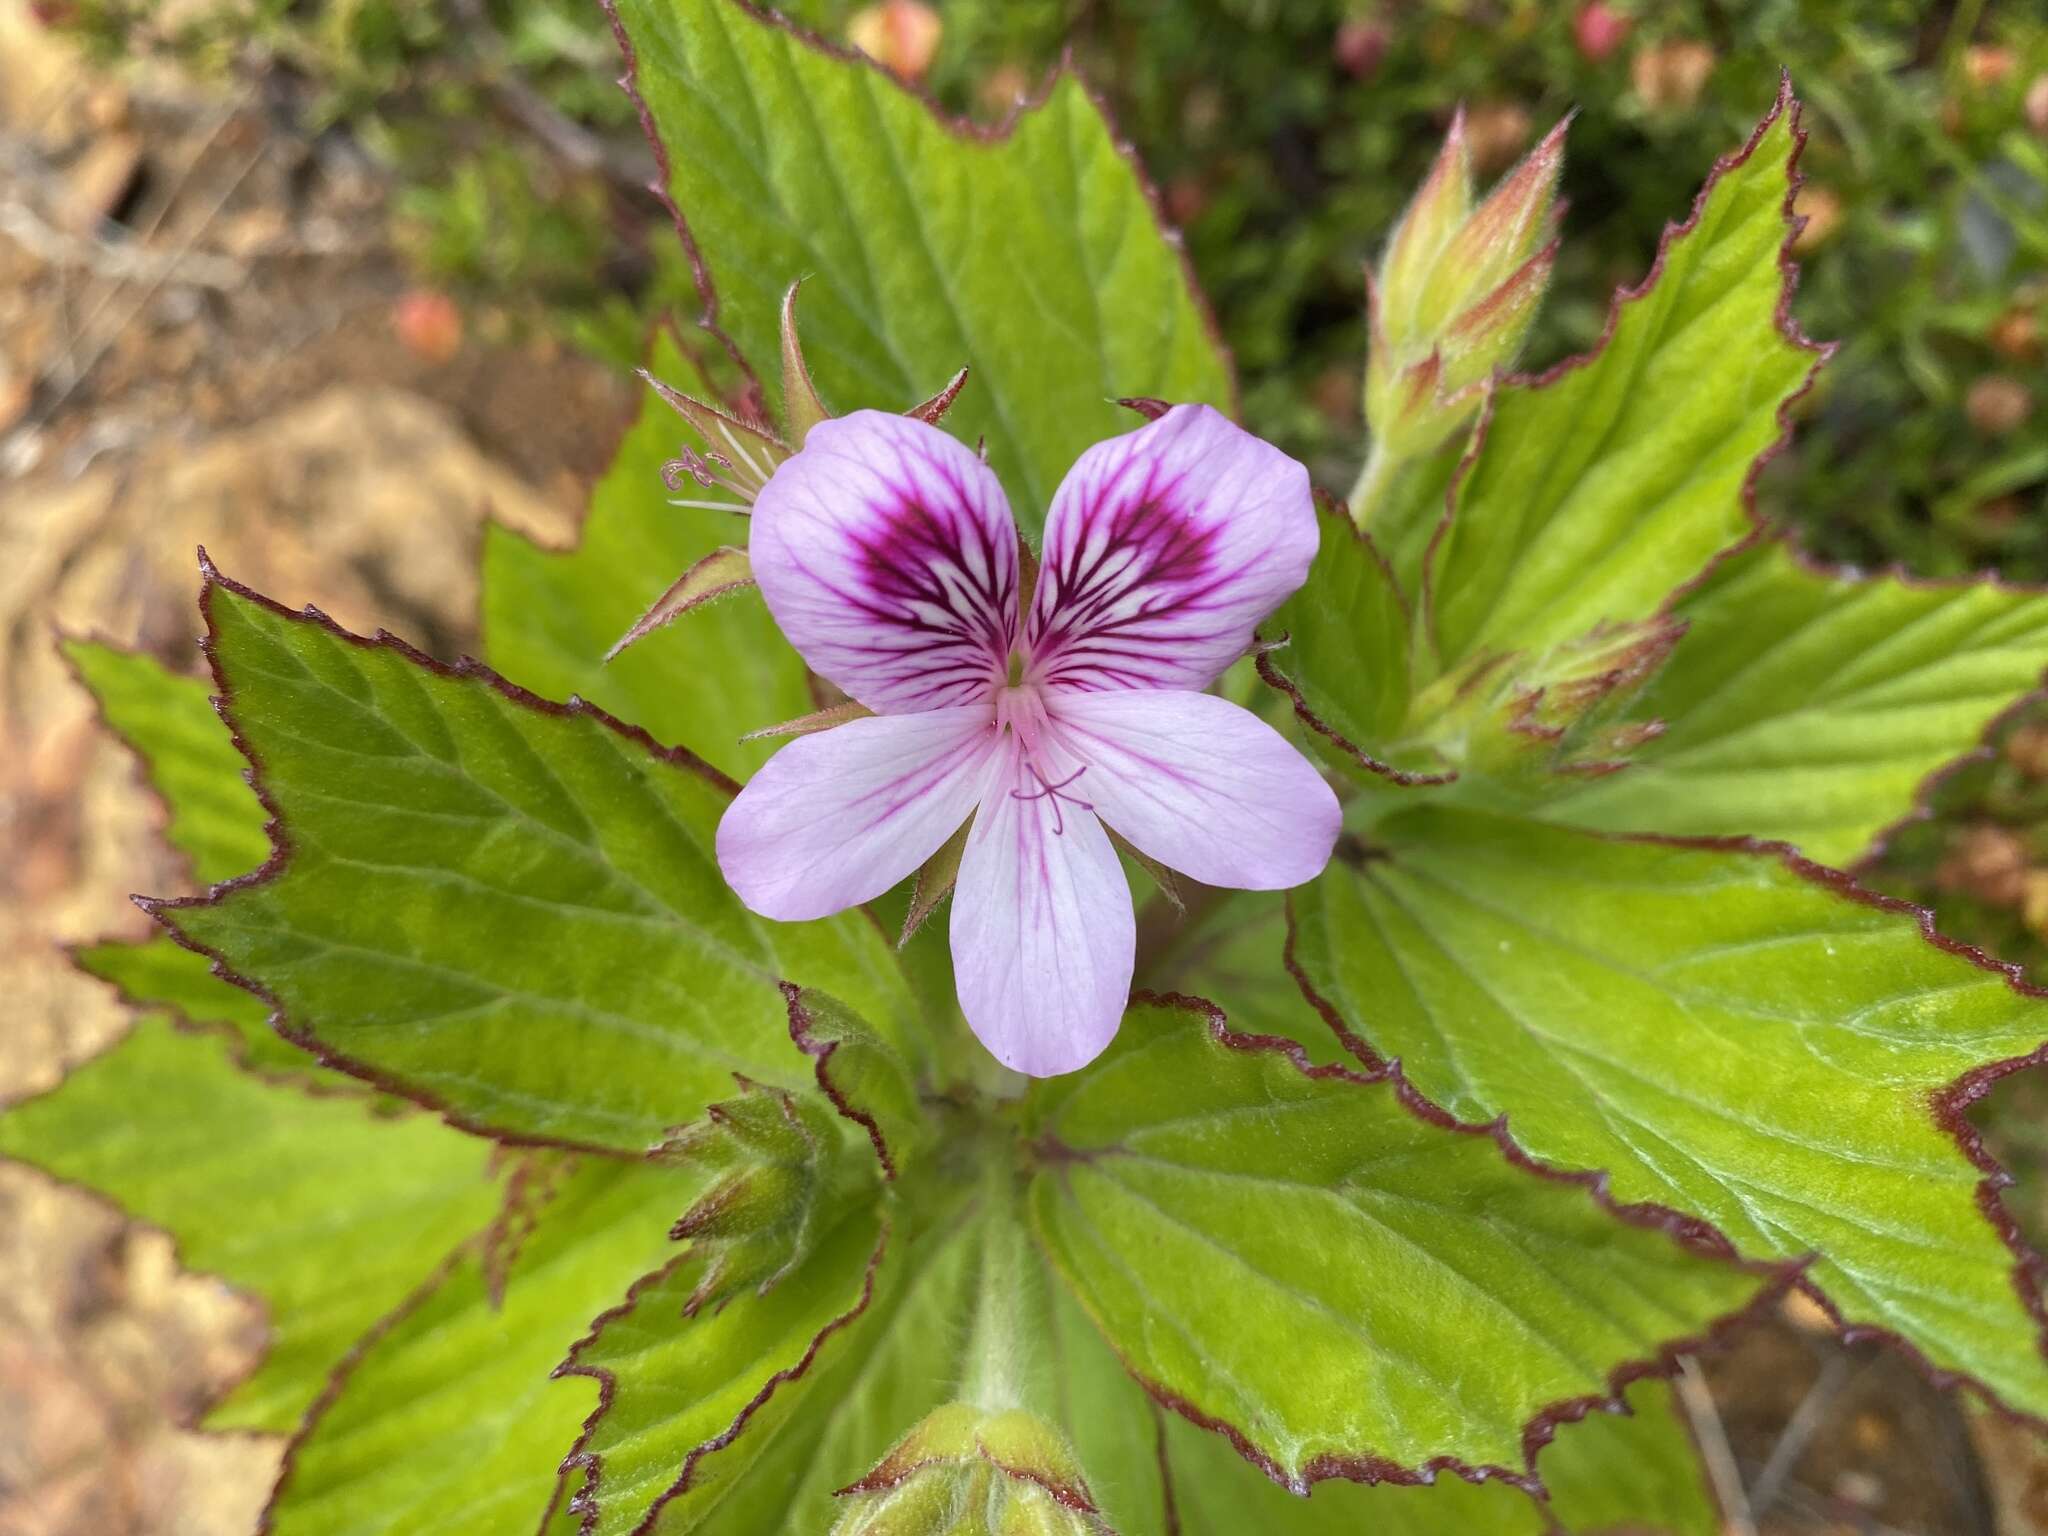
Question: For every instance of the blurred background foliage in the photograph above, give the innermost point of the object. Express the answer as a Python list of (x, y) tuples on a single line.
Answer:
[(1284, 137)]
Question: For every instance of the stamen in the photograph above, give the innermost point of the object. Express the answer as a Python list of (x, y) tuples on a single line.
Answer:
[(708, 506), (684, 463), (1048, 791)]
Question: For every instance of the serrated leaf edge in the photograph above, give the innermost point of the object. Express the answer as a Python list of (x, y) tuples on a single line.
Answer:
[(1785, 322), (1338, 524), (821, 1053), (962, 129), (584, 1502), (1699, 1237), (467, 670), (1948, 1105)]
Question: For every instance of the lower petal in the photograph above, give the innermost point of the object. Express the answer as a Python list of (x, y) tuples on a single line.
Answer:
[(1200, 785), (1043, 933), (838, 818)]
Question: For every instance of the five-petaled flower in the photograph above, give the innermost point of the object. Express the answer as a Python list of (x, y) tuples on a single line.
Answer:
[(886, 551)]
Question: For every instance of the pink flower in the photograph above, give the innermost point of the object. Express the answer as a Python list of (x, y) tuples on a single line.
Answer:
[(886, 551)]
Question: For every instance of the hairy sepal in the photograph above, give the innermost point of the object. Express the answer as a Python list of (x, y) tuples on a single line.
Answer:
[(1605, 484)]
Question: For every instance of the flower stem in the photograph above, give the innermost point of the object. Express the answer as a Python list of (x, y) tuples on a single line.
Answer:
[(1375, 484)]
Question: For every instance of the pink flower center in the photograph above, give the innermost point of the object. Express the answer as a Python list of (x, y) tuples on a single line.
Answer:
[(1020, 707)]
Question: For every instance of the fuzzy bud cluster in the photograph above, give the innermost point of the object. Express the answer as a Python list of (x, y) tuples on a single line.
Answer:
[(1456, 292), (778, 1162), (964, 1471)]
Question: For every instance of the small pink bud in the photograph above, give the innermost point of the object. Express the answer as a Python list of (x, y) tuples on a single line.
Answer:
[(1498, 131), (1186, 197), (901, 35), (2036, 105), (428, 324), (1821, 209), (1985, 66), (1360, 46), (1998, 404), (1670, 77), (1598, 29)]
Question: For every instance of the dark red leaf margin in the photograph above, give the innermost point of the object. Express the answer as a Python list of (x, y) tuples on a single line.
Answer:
[(466, 669), (584, 1502), (1949, 1106), (963, 129), (1786, 323), (1776, 1278)]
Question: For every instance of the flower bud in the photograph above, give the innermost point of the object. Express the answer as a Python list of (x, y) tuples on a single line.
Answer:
[(901, 35), (1669, 77), (1997, 404), (1456, 292), (965, 1471), (2034, 105), (779, 1158), (1359, 47), (1986, 65), (1558, 711), (1819, 211), (1597, 30)]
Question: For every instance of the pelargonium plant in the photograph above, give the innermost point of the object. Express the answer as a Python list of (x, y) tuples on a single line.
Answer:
[(1405, 985)]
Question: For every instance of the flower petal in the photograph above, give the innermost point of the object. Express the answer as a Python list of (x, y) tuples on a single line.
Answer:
[(886, 551), (836, 819), (1043, 933), (1200, 785), (1164, 548)]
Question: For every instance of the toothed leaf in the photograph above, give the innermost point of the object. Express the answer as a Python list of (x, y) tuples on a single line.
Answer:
[(168, 719), (953, 1263), (1292, 1252), (447, 1422), (326, 1210), (1717, 1030), (162, 973), (550, 616), (507, 909), (1811, 706), (912, 235), (1345, 663), (1607, 1473), (1601, 490)]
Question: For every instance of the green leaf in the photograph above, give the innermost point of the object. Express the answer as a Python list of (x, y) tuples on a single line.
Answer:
[(446, 1421), (1810, 705), (1345, 664), (507, 909), (1612, 481), (956, 1286), (1032, 257), (1722, 1031), (860, 1073), (326, 1210), (550, 616), (1609, 1472), (162, 973), (1614, 1473), (1294, 1253), (215, 818), (694, 1396)]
